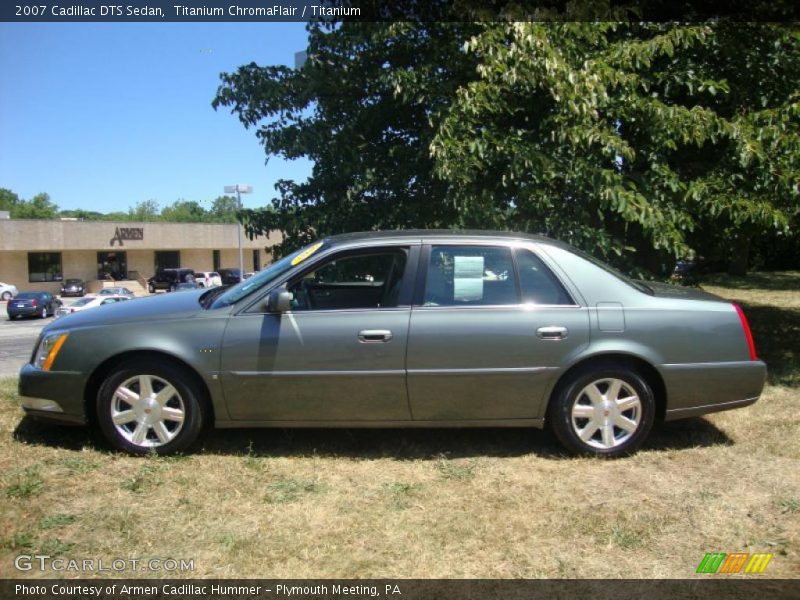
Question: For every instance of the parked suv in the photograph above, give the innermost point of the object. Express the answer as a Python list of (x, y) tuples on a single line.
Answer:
[(168, 279), (207, 278)]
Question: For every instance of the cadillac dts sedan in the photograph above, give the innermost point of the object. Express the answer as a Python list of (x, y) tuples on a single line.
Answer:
[(402, 329)]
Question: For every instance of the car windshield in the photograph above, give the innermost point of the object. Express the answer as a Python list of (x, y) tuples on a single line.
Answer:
[(73, 281), (82, 302), (240, 290)]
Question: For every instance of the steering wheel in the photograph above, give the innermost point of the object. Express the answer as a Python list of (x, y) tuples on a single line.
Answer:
[(309, 298)]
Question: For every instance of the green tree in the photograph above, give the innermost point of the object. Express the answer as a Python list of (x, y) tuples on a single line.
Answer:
[(638, 142), (147, 210), (364, 108), (8, 200), (184, 211), (38, 207), (223, 209)]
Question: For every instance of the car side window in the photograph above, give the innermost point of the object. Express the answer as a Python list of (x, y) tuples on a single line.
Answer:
[(537, 283), (470, 276), (366, 280)]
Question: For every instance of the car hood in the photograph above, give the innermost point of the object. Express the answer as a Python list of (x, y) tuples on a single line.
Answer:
[(162, 306), (665, 290)]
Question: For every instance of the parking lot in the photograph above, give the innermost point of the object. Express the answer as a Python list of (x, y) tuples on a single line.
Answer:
[(18, 337)]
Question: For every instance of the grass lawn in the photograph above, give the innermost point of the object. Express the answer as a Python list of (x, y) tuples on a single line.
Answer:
[(469, 503)]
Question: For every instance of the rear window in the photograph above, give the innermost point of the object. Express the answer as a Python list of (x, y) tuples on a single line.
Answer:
[(537, 284)]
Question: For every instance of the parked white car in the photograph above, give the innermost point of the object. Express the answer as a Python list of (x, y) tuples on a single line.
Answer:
[(7, 291), (89, 302), (207, 278)]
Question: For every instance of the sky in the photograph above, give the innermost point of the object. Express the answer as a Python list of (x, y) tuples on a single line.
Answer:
[(104, 115)]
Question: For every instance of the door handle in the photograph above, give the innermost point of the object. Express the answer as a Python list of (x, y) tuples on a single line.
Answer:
[(374, 335), (552, 333)]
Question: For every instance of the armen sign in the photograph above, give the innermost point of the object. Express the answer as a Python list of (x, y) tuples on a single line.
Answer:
[(127, 233)]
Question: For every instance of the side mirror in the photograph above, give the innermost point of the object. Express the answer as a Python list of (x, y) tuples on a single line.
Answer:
[(280, 301)]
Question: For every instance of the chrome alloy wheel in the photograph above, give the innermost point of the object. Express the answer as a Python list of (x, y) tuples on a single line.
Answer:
[(147, 411), (606, 413)]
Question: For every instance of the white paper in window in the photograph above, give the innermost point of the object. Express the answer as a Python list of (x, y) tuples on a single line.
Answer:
[(468, 278)]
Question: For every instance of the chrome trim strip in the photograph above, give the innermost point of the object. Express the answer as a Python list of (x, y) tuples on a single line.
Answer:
[(691, 411), (528, 306), (395, 372), (387, 372), (733, 364), (537, 423), (480, 371)]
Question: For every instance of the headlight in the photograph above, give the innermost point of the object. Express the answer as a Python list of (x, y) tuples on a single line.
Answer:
[(48, 350)]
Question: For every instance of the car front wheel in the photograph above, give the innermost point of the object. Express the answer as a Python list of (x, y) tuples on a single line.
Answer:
[(6, 296), (605, 412), (150, 407)]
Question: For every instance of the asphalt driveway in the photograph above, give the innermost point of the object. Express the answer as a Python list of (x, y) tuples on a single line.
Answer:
[(17, 339)]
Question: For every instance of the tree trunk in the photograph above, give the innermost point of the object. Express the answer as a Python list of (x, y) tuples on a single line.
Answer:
[(740, 256)]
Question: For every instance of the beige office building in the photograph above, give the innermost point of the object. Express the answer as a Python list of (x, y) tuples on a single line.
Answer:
[(40, 254)]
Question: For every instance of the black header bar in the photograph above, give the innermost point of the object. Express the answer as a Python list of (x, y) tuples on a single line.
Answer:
[(189, 11)]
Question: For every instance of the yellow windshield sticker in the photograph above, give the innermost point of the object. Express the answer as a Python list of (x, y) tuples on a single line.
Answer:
[(306, 253)]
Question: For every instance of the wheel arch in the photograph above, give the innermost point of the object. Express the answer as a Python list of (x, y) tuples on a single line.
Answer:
[(102, 371), (616, 359)]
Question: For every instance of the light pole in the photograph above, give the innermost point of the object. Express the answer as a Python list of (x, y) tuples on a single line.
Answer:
[(239, 188)]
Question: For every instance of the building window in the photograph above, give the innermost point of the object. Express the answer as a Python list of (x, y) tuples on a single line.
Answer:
[(44, 266), (216, 260), (167, 259), (256, 260)]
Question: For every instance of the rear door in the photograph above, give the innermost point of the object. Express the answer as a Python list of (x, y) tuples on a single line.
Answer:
[(490, 326)]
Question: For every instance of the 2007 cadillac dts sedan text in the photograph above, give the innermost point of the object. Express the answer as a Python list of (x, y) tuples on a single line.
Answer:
[(402, 329)]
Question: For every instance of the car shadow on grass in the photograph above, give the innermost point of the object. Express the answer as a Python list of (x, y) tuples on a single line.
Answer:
[(370, 444), (415, 444)]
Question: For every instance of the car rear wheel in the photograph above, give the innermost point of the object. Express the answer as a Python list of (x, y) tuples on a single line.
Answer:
[(147, 407), (605, 412), (43, 314), (6, 296)]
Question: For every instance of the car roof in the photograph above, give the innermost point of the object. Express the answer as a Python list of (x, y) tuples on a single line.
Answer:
[(415, 235)]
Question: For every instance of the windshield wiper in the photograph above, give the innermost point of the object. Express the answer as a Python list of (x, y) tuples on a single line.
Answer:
[(206, 299)]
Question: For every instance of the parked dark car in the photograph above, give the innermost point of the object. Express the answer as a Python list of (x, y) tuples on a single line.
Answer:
[(73, 287), (116, 291), (33, 304), (402, 328), (168, 279), (230, 276)]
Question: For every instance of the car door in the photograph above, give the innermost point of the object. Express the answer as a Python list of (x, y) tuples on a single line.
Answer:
[(337, 355), (489, 328)]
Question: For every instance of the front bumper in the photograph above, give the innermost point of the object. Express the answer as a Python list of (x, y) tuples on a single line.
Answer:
[(52, 395)]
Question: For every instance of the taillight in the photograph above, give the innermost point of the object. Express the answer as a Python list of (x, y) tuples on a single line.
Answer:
[(747, 334), (34, 302)]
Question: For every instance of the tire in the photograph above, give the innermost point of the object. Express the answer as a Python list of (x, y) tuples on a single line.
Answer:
[(6, 296), (148, 428), (587, 410), (12, 317), (44, 312), (151, 289)]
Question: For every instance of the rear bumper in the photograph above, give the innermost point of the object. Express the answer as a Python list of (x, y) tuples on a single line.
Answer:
[(700, 388), (26, 311), (52, 395)]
